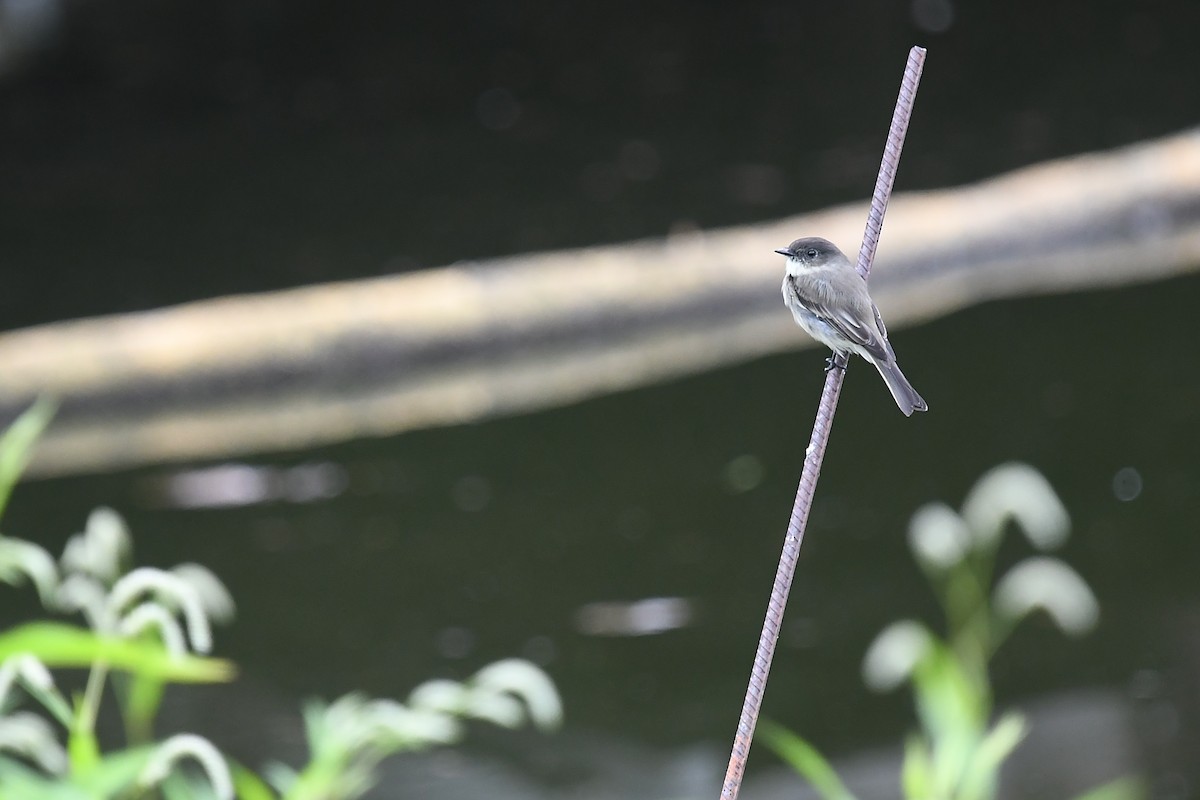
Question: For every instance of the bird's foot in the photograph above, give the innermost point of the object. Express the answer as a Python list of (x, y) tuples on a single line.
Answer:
[(832, 363)]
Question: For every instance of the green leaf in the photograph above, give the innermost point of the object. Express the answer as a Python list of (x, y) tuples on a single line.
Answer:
[(115, 774), (83, 749), (805, 759), (953, 714), (20, 780), (949, 703), (980, 777), (247, 785), (61, 645), (917, 775), (1129, 787), (111, 777), (140, 697), (16, 445)]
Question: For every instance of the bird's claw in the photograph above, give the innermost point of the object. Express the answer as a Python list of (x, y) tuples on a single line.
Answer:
[(832, 363)]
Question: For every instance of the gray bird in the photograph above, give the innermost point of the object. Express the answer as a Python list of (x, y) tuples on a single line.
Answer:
[(829, 299)]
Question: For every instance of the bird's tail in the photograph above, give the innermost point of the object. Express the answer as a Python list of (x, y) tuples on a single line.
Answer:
[(905, 395)]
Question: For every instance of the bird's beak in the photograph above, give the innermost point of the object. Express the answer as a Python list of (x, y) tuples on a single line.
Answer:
[(783, 252)]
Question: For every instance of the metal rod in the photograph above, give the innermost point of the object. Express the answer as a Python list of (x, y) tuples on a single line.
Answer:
[(815, 453)]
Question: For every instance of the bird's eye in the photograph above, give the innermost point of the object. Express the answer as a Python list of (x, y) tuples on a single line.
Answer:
[(811, 253)]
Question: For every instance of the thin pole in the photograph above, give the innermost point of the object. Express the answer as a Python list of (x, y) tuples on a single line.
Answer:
[(815, 453)]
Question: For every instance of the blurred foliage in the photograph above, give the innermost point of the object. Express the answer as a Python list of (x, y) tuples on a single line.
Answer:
[(959, 747), (148, 627)]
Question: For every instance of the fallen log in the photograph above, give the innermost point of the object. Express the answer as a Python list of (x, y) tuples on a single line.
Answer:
[(292, 369)]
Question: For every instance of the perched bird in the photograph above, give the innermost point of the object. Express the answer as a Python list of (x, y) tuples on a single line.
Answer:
[(829, 299)]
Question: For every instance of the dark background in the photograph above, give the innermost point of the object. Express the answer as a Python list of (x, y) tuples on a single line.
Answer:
[(161, 152), (153, 153)]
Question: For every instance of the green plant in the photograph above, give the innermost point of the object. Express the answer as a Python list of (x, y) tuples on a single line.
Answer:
[(150, 627), (958, 751)]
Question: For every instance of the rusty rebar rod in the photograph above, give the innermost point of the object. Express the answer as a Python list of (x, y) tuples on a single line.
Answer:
[(815, 453)]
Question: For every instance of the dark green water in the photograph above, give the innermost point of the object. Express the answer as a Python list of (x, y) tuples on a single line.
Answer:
[(200, 150), (623, 497)]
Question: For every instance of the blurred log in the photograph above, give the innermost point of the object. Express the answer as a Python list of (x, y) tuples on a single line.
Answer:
[(292, 369)]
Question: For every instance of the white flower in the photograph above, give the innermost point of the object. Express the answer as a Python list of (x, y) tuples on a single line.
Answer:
[(153, 615), (1051, 585), (439, 695), (30, 736), (187, 745), (84, 593), (938, 536), (527, 682), (215, 598), (456, 699), (170, 590), (1019, 492), (412, 724), (352, 724), (25, 669), (20, 559), (101, 548), (894, 654)]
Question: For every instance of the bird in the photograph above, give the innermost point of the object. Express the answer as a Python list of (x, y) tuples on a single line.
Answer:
[(829, 299)]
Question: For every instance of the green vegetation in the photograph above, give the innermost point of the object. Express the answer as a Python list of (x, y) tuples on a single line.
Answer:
[(146, 628), (960, 745)]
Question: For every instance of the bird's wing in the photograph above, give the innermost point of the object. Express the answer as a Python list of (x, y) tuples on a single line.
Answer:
[(864, 331), (887, 345)]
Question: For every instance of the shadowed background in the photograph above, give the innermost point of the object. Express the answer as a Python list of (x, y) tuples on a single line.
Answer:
[(152, 154)]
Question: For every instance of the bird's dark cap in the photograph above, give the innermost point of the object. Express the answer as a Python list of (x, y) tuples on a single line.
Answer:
[(823, 247)]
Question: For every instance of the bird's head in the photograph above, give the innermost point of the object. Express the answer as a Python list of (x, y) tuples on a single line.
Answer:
[(810, 253)]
